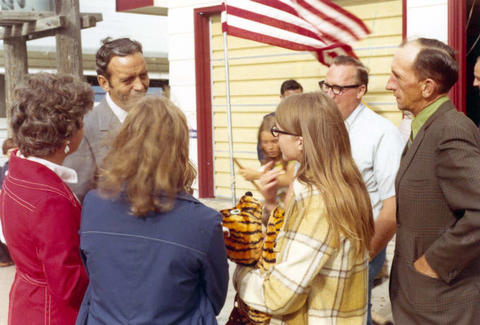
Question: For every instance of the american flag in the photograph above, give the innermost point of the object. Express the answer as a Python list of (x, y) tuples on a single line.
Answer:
[(319, 26)]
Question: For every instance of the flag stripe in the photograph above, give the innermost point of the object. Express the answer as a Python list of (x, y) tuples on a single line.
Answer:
[(254, 27), (280, 5), (325, 23), (264, 38), (352, 18), (322, 28), (339, 19), (327, 54), (276, 10), (282, 12), (270, 21), (356, 27), (309, 25)]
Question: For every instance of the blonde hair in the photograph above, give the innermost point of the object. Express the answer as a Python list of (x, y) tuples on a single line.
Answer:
[(149, 158), (327, 164)]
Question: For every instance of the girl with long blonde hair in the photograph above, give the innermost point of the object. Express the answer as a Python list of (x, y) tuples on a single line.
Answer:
[(321, 271), (154, 254)]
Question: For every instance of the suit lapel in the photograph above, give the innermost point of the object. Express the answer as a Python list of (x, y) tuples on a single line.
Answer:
[(409, 153), (107, 119)]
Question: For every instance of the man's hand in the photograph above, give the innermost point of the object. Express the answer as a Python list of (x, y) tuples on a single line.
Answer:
[(422, 266)]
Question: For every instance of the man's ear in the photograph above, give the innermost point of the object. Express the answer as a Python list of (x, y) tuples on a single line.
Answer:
[(361, 90), (429, 88), (103, 82)]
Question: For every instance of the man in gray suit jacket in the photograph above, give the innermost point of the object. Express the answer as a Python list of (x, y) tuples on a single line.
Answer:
[(122, 73), (436, 267)]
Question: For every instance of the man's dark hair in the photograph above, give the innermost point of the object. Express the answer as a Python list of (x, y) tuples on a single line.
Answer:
[(114, 47), (436, 61), (290, 84), (362, 70)]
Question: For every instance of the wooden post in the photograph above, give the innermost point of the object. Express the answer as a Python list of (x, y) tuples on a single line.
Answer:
[(16, 67), (69, 44), (18, 27)]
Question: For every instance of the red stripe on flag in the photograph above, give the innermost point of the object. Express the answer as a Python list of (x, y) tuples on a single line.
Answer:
[(326, 54), (270, 21), (284, 7), (335, 43), (262, 38), (224, 25), (328, 19), (277, 5), (344, 12)]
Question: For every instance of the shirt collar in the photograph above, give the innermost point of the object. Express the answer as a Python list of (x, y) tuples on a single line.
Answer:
[(68, 175), (119, 112), (303, 191), (425, 114), (353, 116)]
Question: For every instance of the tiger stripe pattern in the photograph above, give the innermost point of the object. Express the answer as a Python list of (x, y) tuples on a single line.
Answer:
[(244, 238), (251, 209)]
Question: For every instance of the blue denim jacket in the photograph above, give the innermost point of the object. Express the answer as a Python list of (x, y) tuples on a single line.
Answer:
[(167, 268)]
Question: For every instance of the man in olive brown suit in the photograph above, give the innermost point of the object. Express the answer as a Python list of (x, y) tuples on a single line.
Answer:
[(436, 267)]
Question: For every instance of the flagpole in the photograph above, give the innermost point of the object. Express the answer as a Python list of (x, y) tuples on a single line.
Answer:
[(229, 119)]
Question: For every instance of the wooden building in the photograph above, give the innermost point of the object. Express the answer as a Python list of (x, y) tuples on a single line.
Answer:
[(197, 77)]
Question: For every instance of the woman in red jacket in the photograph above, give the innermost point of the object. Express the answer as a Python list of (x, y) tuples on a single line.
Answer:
[(40, 215)]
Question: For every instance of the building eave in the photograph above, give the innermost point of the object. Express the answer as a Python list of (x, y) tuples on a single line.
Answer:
[(148, 7)]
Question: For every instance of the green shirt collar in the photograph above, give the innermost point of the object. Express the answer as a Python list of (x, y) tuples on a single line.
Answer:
[(425, 114)]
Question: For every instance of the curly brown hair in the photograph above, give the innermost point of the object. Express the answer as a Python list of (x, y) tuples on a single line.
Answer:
[(48, 109), (148, 160)]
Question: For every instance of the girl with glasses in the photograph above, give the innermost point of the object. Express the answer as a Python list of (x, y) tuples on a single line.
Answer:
[(321, 269)]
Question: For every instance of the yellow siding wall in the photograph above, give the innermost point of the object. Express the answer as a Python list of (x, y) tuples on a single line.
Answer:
[(257, 71)]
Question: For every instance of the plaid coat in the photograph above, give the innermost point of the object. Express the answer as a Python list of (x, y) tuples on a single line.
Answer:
[(314, 281), (438, 215)]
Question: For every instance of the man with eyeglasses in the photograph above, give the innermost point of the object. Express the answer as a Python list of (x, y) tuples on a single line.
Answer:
[(376, 148)]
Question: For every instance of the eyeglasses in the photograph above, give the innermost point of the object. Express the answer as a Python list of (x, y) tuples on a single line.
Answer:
[(275, 132), (337, 90)]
